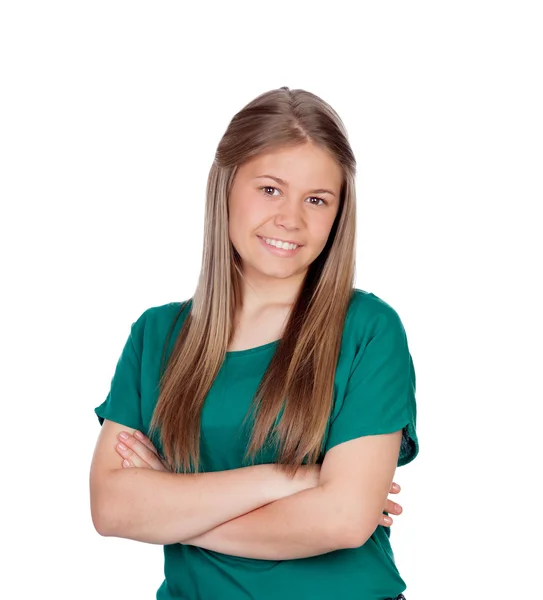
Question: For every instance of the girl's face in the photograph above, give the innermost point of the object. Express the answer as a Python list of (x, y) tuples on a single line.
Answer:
[(287, 195)]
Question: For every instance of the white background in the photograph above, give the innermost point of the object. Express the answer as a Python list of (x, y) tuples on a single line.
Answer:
[(110, 116)]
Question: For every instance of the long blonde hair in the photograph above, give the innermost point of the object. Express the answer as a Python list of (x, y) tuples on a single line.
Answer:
[(300, 377)]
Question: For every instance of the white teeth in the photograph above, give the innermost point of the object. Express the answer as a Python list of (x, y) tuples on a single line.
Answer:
[(278, 244)]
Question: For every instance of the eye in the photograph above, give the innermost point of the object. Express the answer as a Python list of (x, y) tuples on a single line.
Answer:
[(319, 199), (269, 187)]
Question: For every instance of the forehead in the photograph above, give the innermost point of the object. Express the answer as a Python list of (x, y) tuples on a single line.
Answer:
[(306, 164)]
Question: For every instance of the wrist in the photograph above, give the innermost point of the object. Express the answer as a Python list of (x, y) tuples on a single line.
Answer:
[(305, 478)]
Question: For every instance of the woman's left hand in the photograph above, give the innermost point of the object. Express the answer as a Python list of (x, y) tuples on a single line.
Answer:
[(138, 451)]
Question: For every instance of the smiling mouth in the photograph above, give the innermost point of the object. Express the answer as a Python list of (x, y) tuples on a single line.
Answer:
[(280, 252), (280, 244)]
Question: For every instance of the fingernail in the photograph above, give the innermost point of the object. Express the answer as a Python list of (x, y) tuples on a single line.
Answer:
[(396, 486), (123, 435), (126, 463), (388, 520), (138, 434), (121, 446), (398, 508)]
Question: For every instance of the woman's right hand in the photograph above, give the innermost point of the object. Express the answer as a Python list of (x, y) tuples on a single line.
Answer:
[(308, 477), (138, 451)]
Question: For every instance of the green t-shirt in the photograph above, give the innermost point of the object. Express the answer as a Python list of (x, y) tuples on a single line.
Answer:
[(374, 393)]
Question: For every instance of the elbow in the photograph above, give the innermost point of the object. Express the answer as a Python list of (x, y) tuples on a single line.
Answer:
[(102, 507), (356, 533), (100, 525), (105, 523), (347, 529), (343, 535), (101, 517)]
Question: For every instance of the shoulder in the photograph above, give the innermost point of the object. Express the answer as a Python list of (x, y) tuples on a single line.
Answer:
[(369, 311), (158, 319), (166, 312), (370, 317)]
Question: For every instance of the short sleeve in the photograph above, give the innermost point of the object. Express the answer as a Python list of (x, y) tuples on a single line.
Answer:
[(380, 392), (123, 402)]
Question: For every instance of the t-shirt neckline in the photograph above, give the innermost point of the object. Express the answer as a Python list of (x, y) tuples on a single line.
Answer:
[(239, 353)]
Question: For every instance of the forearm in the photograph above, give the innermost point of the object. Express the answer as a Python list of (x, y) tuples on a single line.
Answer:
[(162, 508), (298, 526)]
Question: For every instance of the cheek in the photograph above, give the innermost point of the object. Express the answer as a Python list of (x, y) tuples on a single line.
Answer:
[(322, 229), (242, 221), (245, 217)]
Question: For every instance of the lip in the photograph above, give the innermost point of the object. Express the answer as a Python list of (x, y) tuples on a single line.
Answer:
[(281, 240), (279, 251)]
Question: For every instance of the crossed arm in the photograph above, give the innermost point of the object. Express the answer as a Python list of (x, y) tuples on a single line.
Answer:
[(253, 512)]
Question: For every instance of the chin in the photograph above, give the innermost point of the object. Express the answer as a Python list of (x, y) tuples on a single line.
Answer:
[(278, 273)]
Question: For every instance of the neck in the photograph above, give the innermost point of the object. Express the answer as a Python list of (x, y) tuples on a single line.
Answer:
[(260, 292)]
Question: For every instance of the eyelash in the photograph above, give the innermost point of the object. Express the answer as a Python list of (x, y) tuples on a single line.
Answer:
[(270, 187)]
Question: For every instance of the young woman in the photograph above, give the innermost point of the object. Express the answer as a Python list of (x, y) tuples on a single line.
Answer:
[(254, 430)]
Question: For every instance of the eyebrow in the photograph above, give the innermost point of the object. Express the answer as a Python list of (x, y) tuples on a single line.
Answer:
[(285, 183)]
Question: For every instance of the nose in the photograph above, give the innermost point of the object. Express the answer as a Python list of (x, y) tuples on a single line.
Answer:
[(289, 214)]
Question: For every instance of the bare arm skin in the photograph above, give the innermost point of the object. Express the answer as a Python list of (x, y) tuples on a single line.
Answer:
[(163, 508), (341, 512)]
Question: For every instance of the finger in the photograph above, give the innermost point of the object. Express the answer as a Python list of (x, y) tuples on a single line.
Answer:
[(395, 488), (137, 461), (127, 463), (386, 521), (137, 436), (143, 453), (393, 507), (146, 441), (165, 464), (128, 454)]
